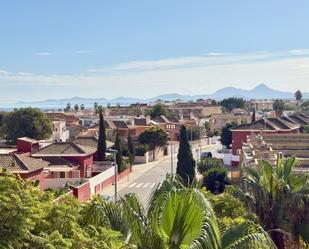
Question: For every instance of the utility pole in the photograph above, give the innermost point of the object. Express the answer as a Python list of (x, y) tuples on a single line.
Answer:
[(116, 173)]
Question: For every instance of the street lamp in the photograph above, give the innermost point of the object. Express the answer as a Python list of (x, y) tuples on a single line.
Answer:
[(114, 152)]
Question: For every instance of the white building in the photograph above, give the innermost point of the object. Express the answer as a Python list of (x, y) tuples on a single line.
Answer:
[(60, 133)]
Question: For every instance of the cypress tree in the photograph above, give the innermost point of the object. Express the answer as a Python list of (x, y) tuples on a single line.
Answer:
[(118, 147), (253, 116), (131, 149), (186, 163), (102, 139)]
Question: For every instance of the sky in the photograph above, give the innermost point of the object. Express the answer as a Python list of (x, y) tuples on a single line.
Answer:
[(138, 48)]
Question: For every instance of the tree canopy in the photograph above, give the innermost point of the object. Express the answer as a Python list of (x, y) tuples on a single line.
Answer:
[(298, 95), (32, 219), (226, 134), (157, 110), (280, 198), (131, 149), (102, 139), (185, 162), (154, 136), (231, 103), (25, 122), (278, 107)]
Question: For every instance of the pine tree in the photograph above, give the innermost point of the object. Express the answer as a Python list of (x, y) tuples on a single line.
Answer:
[(131, 149), (102, 139), (186, 163), (118, 147)]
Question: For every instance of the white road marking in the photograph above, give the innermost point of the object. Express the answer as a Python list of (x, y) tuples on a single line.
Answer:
[(132, 185), (154, 184), (138, 185), (146, 185)]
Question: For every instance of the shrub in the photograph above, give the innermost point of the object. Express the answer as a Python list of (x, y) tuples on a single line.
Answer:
[(208, 163), (215, 180), (141, 150)]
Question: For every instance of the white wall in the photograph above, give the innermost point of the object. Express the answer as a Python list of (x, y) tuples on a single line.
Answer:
[(98, 179)]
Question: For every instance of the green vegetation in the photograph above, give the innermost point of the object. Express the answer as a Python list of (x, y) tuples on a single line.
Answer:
[(306, 129), (278, 107), (76, 107), (194, 132), (102, 139), (25, 122), (153, 137), (208, 163), (67, 108), (231, 103), (141, 150), (31, 219), (207, 128), (130, 149), (176, 217), (118, 146), (215, 180), (280, 199), (156, 110), (185, 164), (226, 135), (253, 118), (298, 95)]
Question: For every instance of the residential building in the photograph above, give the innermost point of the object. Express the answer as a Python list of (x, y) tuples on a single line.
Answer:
[(260, 105), (265, 126), (60, 132)]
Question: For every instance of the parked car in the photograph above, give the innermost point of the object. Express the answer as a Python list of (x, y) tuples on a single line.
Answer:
[(206, 154)]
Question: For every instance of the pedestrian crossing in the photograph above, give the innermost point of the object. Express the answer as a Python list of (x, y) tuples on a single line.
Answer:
[(142, 185)]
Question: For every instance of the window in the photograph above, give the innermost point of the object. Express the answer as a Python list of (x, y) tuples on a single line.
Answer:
[(62, 174)]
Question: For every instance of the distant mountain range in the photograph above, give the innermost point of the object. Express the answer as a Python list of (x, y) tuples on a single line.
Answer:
[(261, 91)]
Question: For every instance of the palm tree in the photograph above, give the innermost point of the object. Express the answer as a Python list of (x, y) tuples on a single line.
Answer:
[(176, 217), (279, 197)]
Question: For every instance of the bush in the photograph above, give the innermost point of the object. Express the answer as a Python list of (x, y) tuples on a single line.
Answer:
[(208, 163), (306, 129), (215, 180), (141, 150)]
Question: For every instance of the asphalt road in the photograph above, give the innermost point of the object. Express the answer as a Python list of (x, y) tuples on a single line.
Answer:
[(144, 184)]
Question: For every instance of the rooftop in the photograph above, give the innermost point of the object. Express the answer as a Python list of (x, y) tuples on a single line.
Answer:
[(65, 148), (19, 162)]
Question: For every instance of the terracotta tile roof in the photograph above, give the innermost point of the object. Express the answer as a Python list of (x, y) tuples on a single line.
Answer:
[(57, 116), (90, 141), (140, 121), (120, 124), (164, 120), (299, 119), (260, 124), (271, 124), (59, 162), (65, 148), (19, 162), (282, 124)]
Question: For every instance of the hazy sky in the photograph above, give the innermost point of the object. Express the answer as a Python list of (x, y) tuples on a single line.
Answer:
[(110, 48)]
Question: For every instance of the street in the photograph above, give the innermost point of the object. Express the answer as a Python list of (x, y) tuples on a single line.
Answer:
[(144, 184)]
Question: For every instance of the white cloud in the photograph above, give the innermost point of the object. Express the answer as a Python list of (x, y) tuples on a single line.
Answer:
[(192, 61), (43, 53), (185, 75), (4, 73)]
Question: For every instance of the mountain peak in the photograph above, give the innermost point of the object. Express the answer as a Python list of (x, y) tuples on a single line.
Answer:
[(261, 87)]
